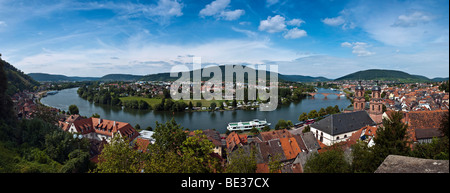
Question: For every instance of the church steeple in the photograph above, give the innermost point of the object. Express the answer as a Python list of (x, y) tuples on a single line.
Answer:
[(376, 105), (359, 102)]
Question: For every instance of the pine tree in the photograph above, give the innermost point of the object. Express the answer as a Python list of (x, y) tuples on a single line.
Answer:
[(391, 138)]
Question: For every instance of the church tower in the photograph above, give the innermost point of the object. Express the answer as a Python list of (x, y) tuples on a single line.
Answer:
[(376, 104), (359, 102)]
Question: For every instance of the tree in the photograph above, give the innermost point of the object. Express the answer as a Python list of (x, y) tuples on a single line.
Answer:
[(331, 161), (190, 105), (363, 157), (95, 115), (213, 106), (73, 110), (282, 124), (119, 157), (242, 160), (254, 130), (197, 150), (444, 127), (143, 105), (391, 138), (198, 104), (169, 136), (322, 112), (313, 114), (137, 127), (303, 117), (336, 109)]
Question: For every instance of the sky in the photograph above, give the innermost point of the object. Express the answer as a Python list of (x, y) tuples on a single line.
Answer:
[(329, 38)]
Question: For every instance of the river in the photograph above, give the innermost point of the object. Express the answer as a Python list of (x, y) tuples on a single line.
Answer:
[(193, 120)]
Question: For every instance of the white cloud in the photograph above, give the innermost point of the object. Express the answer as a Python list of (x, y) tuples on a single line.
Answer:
[(214, 8), (217, 9), (246, 32), (271, 2), (273, 24), (141, 56), (295, 33), (412, 19), (232, 15), (335, 21), (167, 8), (2, 24), (295, 22), (346, 44), (359, 48)]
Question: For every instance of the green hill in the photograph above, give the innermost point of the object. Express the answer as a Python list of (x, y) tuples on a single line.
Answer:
[(43, 77), (17, 80), (385, 75), (120, 77)]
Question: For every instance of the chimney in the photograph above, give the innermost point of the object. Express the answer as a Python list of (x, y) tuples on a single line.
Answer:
[(114, 123), (99, 121)]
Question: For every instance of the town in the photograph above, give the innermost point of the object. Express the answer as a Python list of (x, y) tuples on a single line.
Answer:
[(423, 106)]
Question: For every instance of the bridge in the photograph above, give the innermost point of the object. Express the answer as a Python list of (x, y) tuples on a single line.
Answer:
[(325, 94)]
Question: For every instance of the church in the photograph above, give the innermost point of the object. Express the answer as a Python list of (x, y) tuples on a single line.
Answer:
[(339, 127)]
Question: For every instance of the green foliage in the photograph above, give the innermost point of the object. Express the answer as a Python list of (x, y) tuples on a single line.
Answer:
[(242, 160), (331, 161), (363, 158), (444, 126), (391, 137), (119, 157), (73, 110), (313, 114), (444, 86), (282, 124), (303, 117), (169, 136), (437, 149)]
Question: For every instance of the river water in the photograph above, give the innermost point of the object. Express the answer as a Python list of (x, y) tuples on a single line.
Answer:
[(193, 120)]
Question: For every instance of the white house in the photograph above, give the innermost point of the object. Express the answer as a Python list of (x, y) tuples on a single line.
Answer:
[(102, 129), (339, 127)]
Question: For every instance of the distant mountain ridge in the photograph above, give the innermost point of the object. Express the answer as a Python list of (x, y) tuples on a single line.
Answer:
[(43, 77), (372, 74), (387, 75)]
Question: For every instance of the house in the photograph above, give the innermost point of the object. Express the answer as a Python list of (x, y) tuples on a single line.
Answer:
[(424, 123), (290, 150), (339, 127), (235, 141), (102, 129)]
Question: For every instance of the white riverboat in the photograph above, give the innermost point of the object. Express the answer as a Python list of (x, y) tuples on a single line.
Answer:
[(242, 126)]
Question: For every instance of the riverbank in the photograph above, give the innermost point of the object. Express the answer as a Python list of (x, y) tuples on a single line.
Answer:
[(193, 120)]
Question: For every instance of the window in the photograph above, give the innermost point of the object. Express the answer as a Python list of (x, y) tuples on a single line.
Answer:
[(345, 136), (337, 138)]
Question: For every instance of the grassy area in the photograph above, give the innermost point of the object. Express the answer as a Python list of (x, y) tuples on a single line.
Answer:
[(155, 101)]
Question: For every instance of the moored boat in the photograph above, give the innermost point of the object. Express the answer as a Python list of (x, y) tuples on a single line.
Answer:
[(242, 126)]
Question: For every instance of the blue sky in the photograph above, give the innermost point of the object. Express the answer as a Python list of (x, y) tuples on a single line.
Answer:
[(328, 38)]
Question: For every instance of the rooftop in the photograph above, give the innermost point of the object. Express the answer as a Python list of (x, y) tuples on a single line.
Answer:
[(344, 122), (403, 164)]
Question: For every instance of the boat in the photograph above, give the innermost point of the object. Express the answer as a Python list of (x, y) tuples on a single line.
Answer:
[(53, 92), (242, 126)]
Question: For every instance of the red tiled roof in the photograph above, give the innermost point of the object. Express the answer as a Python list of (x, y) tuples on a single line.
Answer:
[(142, 144), (276, 134), (105, 127), (234, 139), (290, 147)]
